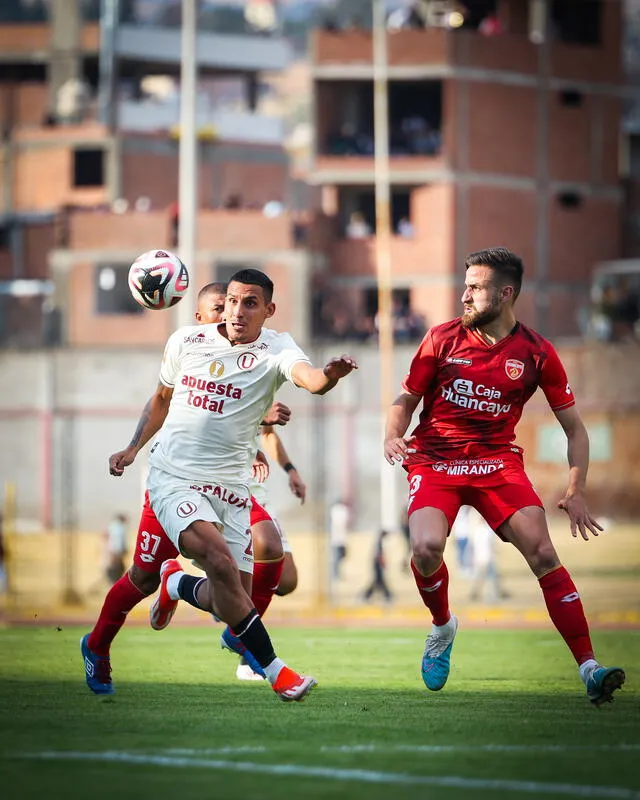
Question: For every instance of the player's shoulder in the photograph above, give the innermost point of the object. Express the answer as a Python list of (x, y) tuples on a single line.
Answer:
[(445, 330), (525, 333), (277, 340)]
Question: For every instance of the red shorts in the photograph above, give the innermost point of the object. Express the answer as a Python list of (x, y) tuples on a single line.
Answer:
[(258, 513), (495, 487), (153, 546)]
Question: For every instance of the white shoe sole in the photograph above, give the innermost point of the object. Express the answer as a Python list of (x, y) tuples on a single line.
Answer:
[(299, 693)]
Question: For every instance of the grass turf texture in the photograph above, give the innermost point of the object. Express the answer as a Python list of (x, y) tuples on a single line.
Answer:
[(513, 710)]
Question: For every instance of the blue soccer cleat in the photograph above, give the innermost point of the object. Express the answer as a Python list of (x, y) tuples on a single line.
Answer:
[(436, 661), (97, 669), (231, 642), (602, 683)]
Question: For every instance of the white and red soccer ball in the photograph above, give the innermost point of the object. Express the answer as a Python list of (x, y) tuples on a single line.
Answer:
[(158, 279)]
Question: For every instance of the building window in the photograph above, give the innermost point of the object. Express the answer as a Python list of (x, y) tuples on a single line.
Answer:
[(569, 200), (571, 98), (112, 290), (88, 167), (577, 23)]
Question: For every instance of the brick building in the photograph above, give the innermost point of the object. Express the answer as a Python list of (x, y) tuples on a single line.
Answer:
[(89, 173), (509, 139)]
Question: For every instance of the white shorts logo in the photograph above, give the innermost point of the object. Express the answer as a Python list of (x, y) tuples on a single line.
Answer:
[(186, 509)]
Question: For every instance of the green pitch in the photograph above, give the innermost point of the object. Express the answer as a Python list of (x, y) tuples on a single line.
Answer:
[(513, 720)]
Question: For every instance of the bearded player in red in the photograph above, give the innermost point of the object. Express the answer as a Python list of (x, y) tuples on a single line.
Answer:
[(474, 375)]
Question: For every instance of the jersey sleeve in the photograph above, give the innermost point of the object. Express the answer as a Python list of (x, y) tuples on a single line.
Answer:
[(289, 355), (422, 369), (171, 359), (554, 383)]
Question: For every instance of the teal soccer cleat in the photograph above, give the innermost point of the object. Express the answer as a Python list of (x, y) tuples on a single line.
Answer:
[(97, 669), (602, 683), (436, 661)]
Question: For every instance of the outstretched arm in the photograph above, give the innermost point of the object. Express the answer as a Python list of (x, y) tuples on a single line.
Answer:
[(574, 503), (150, 422), (320, 381), (272, 443), (396, 445)]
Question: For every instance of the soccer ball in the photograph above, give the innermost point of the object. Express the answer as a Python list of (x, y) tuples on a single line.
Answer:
[(158, 279)]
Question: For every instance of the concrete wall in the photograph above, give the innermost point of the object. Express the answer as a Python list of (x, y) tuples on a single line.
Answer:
[(63, 413)]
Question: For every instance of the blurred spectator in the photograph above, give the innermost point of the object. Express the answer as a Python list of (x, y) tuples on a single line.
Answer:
[(378, 580), (72, 101), (486, 583), (405, 228), (338, 530), (358, 228), (233, 201), (461, 533), (3, 558), (491, 25), (116, 548), (174, 222)]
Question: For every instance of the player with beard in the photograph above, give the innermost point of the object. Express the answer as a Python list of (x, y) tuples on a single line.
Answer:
[(473, 376)]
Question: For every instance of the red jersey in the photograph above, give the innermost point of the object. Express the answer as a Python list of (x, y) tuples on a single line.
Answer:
[(474, 392)]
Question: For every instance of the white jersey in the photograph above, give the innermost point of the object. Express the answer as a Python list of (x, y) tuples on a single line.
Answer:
[(221, 393)]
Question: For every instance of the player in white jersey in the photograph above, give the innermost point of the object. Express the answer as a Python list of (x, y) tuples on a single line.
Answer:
[(216, 384)]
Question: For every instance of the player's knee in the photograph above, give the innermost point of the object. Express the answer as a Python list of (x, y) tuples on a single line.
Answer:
[(218, 564), (544, 558), (145, 582), (267, 544), (427, 553)]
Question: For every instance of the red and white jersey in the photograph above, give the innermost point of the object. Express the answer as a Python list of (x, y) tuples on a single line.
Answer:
[(221, 393), (474, 392)]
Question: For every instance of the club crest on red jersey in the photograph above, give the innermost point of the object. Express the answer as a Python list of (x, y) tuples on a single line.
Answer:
[(514, 368)]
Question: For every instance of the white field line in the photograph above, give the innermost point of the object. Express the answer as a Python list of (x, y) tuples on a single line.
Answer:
[(479, 748), (358, 775)]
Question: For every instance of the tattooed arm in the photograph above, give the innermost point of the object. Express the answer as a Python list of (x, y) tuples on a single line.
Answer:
[(150, 422)]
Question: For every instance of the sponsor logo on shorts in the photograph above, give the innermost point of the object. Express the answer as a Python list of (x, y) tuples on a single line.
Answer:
[(223, 494), (472, 467), (216, 369), (186, 508), (476, 397), (465, 362), (247, 360), (514, 368)]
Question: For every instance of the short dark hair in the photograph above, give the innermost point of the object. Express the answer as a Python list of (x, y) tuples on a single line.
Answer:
[(213, 288), (506, 264), (253, 277)]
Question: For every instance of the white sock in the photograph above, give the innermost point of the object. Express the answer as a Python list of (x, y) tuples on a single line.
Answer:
[(172, 584), (273, 670), (587, 667), (448, 625)]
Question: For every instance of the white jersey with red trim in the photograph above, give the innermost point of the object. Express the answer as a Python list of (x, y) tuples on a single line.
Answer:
[(221, 393)]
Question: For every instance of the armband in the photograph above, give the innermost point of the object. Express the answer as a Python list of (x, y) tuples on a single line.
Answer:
[(288, 467)]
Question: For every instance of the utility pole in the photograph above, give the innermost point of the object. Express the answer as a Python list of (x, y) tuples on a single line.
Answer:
[(388, 495), (188, 162)]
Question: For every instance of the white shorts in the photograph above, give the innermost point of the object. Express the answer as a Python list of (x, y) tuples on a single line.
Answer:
[(177, 503)]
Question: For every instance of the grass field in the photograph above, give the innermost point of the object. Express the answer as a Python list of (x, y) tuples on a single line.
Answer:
[(512, 722)]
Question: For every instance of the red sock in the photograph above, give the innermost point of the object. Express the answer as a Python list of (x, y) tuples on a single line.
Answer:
[(566, 612), (120, 599), (266, 577), (434, 591)]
